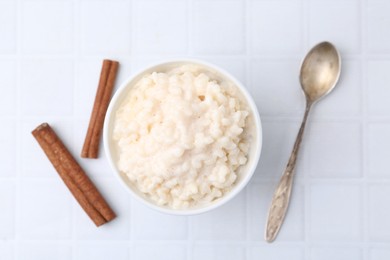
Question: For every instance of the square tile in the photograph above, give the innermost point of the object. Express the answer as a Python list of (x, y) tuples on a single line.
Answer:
[(234, 66), (377, 87), (218, 252), (261, 196), (44, 251), (228, 222), (348, 88), (47, 27), (276, 26), (218, 30), (8, 151), (278, 141), (7, 205), (47, 87), (99, 251), (378, 38), (105, 27), (275, 95), (335, 253), (152, 225), (379, 253), (163, 30), (119, 228), (166, 251), (343, 29), (48, 207), (34, 161), (275, 252), (8, 79), (8, 27), (324, 160), (379, 212), (378, 150), (6, 251), (345, 203)]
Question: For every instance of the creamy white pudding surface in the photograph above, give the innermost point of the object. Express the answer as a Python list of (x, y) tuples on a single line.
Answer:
[(182, 136)]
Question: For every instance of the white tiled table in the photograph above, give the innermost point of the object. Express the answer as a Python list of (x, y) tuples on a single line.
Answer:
[(50, 59)]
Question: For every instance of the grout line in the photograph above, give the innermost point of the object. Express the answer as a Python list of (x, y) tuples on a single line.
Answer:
[(18, 184), (132, 223), (264, 118), (267, 56), (54, 177), (14, 117), (248, 28), (326, 119), (247, 220), (364, 145), (328, 180), (244, 12), (377, 119), (248, 46), (133, 35), (132, 246), (64, 118), (287, 243), (130, 51), (248, 80), (247, 50), (306, 24), (190, 239), (306, 163), (76, 55), (131, 229), (190, 51), (190, 28)]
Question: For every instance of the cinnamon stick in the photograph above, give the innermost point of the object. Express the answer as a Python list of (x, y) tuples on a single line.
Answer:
[(73, 175), (102, 99)]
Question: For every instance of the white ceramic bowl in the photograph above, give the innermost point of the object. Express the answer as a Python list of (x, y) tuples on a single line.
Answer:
[(111, 150)]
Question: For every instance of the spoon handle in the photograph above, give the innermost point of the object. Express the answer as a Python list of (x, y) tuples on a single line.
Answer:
[(281, 198)]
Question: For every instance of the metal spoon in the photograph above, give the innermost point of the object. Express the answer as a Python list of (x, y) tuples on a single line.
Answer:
[(319, 74)]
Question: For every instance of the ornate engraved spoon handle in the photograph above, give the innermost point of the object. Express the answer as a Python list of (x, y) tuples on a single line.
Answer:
[(281, 198)]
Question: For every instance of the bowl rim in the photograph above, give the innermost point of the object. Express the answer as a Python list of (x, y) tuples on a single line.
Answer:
[(235, 189)]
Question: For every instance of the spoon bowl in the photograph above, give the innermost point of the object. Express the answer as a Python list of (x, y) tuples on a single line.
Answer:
[(320, 71)]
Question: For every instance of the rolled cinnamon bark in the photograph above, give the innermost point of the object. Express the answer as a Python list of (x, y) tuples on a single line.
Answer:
[(73, 175), (102, 99)]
